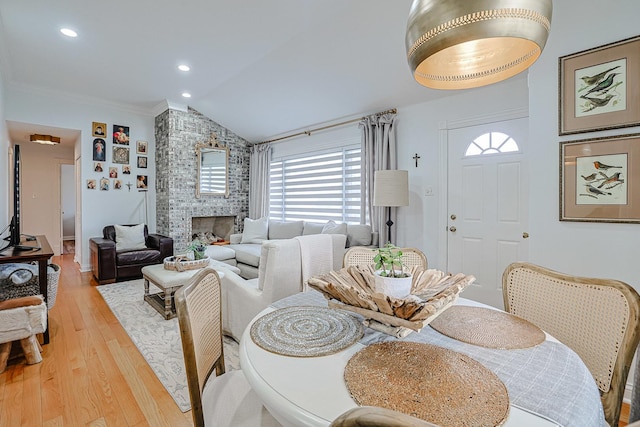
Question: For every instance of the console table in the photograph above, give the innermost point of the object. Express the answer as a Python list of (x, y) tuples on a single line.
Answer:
[(41, 253)]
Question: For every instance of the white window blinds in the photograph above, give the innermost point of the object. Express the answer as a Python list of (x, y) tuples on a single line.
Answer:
[(317, 187)]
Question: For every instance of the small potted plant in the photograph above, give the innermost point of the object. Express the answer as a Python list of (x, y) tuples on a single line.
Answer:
[(198, 249), (391, 278)]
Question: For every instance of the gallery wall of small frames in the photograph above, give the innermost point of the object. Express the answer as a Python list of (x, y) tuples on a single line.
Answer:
[(118, 173)]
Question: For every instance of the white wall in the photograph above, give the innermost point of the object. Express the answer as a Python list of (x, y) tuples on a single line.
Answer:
[(40, 190), (5, 168), (98, 208), (586, 249)]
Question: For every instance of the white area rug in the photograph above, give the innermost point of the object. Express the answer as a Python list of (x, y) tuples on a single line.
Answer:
[(157, 339)]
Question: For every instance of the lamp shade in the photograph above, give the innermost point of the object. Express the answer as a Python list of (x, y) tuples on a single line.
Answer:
[(391, 188), (461, 44)]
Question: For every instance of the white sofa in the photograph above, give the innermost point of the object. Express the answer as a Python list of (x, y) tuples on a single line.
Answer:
[(285, 265), (246, 245)]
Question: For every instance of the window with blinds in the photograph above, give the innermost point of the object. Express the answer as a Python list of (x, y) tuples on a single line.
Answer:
[(317, 187), (212, 177)]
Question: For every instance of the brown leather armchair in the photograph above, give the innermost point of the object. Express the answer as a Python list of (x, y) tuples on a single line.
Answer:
[(109, 265)]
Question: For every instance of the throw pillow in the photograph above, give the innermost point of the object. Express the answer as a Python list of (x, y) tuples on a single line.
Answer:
[(255, 230), (358, 235), (332, 228), (129, 237), (312, 228)]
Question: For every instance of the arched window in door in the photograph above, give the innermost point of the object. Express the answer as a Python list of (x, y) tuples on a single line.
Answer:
[(492, 143)]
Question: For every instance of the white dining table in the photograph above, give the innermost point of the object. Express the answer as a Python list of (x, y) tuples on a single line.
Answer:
[(311, 391)]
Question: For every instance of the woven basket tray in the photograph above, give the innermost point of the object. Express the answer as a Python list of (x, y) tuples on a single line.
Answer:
[(353, 289), (181, 263)]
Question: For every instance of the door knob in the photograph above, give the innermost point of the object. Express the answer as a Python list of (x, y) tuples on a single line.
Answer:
[(525, 235), (452, 229)]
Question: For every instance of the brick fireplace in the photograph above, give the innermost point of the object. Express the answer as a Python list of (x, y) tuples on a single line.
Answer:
[(177, 133)]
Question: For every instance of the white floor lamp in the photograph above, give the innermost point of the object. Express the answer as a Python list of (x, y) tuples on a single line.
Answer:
[(390, 189)]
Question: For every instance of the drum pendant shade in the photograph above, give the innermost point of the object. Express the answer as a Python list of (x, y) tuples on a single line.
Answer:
[(462, 44)]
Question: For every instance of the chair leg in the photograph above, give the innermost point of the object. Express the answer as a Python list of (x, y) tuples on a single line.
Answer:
[(31, 350), (5, 349)]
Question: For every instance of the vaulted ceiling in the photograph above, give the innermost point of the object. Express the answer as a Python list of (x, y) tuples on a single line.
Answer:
[(259, 68)]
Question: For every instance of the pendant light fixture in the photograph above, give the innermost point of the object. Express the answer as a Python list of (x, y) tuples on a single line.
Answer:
[(462, 44)]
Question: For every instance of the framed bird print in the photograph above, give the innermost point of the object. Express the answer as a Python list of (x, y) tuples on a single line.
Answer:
[(600, 179), (598, 88)]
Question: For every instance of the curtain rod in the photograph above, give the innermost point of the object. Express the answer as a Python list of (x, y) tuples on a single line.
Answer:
[(309, 132)]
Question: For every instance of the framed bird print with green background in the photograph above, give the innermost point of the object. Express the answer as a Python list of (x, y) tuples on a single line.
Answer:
[(598, 88), (600, 179)]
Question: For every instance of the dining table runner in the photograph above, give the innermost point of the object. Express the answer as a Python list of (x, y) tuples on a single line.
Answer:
[(549, 380)]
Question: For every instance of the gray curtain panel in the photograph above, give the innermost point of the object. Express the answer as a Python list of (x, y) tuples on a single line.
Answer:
[(259, 180), (378, 153)]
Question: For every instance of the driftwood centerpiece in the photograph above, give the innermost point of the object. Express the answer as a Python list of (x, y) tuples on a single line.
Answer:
[(353, 289)]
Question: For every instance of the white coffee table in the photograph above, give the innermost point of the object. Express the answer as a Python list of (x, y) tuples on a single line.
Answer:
[(168, 281)]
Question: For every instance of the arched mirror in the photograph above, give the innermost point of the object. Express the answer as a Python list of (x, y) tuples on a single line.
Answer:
[(213, 168)]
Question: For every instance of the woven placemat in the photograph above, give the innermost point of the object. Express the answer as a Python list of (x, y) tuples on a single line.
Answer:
[(306, 331), (487, 328), (428, 382)]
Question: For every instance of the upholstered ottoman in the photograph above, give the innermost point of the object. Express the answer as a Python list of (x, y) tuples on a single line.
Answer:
[(20, 320), (169, 281)]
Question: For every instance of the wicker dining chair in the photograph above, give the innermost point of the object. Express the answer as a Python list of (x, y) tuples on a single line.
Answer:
[(599, 319), (367, 416), (360, 255), (220, 399)]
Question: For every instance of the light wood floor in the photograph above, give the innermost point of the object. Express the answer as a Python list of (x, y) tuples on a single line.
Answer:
[(91, 374)]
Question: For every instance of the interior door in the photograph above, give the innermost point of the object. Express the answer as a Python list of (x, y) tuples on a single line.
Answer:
[(487, 204)]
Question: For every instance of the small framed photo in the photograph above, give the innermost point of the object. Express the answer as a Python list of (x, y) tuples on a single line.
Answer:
[(104, 184), (142, 162), (121, 155), (141, 147), (126, 170), (113, 172), (141, 181), (97, 167), (117, 184), (598, 88), (98, 129), (99, 148), (600, 179), (121, 134), (91, 184)]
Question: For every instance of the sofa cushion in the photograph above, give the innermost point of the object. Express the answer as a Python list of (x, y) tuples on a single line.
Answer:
[(332, 228), (247, 253), (135, 257), (312, 228), (129, 237), (220, 253), (285, 229), (358, 235), (255, 230)]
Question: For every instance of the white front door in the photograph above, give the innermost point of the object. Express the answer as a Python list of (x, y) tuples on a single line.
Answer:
[(487, 204)]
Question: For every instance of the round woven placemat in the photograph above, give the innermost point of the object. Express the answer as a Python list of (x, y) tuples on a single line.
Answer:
[(487, 328), (428, 382), (306, 331)]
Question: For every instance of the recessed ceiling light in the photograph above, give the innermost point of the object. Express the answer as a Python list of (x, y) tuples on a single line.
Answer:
[(183, 67), (186, 94), (68, 32)]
